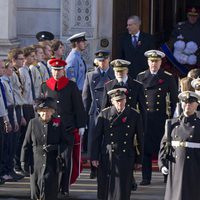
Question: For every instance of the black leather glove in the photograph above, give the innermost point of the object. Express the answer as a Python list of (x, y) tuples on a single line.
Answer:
[(25, 167), (50, 147)]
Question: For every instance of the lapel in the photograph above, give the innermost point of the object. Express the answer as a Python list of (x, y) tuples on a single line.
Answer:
[(118, 119), (151, 81)]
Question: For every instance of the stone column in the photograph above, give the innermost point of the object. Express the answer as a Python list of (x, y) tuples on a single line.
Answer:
[(8, 33)]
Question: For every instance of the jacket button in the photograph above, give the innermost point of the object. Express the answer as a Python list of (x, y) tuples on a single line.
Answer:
[(126, 134), (43, 165), (158, 95), (113, 150), (128, 126), (59, 116), (112, 142), (44, 155), (124, 142), (193, 126), (157, 109), (159, 89), (124, 150), (97, 99), (188, 157), (191, 136), (110, 126), (58, 101), (147, 109), (43, 145), (147, 102), (111, 134), (129, 97), (44, 135), (157, 102), (146, 95)]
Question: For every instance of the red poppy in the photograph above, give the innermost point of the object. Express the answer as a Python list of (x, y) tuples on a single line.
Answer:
[(160, 81), (139, 43), (56, 122), (124, 119)]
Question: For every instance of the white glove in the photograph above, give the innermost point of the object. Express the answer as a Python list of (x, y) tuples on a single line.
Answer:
[(81, 131), (164, 170)]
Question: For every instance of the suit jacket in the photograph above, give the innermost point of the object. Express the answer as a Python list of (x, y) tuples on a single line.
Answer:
[(135, 97), (136, 54)]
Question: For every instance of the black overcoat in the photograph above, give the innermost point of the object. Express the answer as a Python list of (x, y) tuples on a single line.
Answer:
[(161, 95), (113, 147), (184, 174), (44, 178), (135, 96), (92, 96)]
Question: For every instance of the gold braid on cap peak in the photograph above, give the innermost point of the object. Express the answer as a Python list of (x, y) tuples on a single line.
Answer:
[(118, 63), (187, 95)]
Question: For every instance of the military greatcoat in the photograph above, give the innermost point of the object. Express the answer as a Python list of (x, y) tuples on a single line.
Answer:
[(184, 174), (92, 96), (44, 179), (135, 96), (113, 147)]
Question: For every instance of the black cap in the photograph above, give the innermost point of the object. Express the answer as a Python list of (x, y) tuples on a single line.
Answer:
[(44, 35), (45, 103), (102, 54)]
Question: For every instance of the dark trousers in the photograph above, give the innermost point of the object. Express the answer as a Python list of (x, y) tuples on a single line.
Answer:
[(29, 114), (64, 181), (8, 145), (147, 166), (2, 132)]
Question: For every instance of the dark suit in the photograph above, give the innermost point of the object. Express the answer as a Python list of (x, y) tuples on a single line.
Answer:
[(135, 97), (113, 147), (92, 96), (157, 87), (135, 54)]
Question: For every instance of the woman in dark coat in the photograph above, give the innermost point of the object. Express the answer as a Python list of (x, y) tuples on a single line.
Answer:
[(179, 155), (43, 137)]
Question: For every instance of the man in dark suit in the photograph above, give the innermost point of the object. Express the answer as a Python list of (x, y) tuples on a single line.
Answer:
[(113, 149), (161, 97), (133, 45), (92, 94)]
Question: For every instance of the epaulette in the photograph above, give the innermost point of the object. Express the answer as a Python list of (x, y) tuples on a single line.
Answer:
[(137, 111), (137, 81), (106, 108), (181, 23), (167, 73), (109, 81), (142, 73)]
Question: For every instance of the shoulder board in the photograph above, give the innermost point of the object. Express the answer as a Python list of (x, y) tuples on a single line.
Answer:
[(141, 72), (181, 23), (109, 81), (137, 81), (167, 73), (135, 110), (106, 108)]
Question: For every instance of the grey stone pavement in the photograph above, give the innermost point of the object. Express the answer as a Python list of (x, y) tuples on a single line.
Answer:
[(85, 188)]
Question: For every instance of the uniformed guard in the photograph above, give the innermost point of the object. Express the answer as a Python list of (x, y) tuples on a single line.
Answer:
[(71, 111), (180, 151), (43, 137), (113, 150), (92, 94), (185, 39), (161, 97), (76, 66)]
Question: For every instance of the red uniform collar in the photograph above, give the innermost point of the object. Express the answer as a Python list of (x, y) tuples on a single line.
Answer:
[(57, 84)]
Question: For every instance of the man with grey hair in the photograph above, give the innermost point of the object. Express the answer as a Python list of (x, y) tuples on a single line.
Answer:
[(133, 45)]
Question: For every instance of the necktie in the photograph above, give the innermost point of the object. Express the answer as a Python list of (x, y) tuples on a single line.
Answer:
[(48, 70), (11, 89), (103, 74), (134, 40), (32, 86), (3, 94), (121, 83), (85, 66)]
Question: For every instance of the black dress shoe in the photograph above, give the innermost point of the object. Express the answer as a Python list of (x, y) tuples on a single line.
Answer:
[(93, 175), (63, 195), (134, 187), (145, 182)]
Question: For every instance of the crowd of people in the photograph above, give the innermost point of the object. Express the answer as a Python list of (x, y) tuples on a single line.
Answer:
[(129, 106)]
